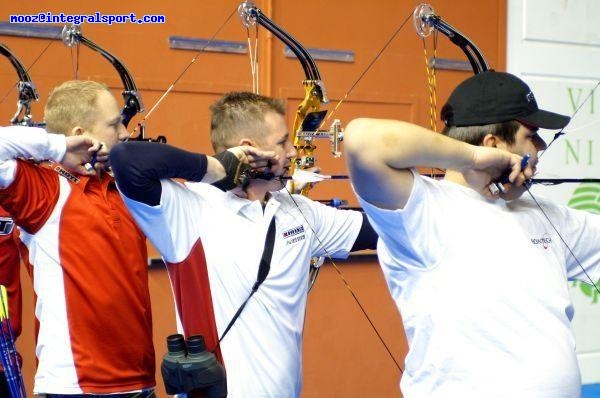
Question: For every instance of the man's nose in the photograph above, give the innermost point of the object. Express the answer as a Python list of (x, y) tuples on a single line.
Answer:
[(123, 133), (539, 143), (292, 153)]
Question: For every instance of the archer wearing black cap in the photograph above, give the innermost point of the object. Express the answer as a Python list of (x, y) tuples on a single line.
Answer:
[(480, 276), (497, 97), (497, 109)]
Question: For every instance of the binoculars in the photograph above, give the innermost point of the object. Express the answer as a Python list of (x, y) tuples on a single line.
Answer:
[(189, 367)]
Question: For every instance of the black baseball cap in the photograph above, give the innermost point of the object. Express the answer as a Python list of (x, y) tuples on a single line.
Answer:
[(497, 97)]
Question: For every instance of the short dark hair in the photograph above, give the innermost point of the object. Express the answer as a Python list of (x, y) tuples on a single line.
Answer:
[(240, 115), (474, 134)]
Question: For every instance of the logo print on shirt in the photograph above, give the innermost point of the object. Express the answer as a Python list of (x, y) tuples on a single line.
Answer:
[(6, 225), (66, 174), (544, 240), (293, 231), (295, 234)]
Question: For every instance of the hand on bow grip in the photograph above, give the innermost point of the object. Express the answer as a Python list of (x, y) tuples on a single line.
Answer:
[(243, 163)]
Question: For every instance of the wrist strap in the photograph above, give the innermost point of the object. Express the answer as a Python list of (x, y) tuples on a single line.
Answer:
[(236, 172)]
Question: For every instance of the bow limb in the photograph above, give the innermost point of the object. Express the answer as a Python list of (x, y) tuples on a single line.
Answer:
[(133, 104), (425, 21), (26, 88)]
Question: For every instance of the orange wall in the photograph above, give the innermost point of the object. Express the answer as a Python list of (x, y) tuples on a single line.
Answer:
[(342, 355)]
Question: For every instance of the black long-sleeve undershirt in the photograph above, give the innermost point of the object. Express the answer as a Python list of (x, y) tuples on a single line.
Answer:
[(138, 168), (367, 237)]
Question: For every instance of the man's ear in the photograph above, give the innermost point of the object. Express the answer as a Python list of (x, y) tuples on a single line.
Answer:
[(246, 142), (490, 140), (77, 130)]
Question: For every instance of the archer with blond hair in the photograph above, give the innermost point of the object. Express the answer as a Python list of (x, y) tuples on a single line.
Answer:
[(89, 258), (238, 247)]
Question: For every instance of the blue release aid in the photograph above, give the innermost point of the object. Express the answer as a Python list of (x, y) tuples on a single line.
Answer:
[(496, 186), (524, 162)]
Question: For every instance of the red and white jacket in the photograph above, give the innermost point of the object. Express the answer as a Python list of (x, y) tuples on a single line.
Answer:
[(89, 270)]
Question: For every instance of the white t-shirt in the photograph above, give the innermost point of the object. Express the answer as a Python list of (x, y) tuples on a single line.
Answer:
[(263, 351), (482, 287)]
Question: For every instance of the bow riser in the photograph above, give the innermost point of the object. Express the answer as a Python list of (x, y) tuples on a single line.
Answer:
[(308, 117)]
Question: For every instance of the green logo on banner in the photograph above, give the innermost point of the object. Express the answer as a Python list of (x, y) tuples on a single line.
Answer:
[(587, 197)]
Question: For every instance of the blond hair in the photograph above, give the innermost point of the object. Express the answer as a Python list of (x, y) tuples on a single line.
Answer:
[(71, 104), (240, 115)]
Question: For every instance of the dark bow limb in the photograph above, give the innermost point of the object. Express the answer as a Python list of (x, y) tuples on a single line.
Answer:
[(26, 88), (72, 36), (425, 20)]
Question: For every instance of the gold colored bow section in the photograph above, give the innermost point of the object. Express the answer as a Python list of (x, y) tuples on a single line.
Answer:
[(309, 115)]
